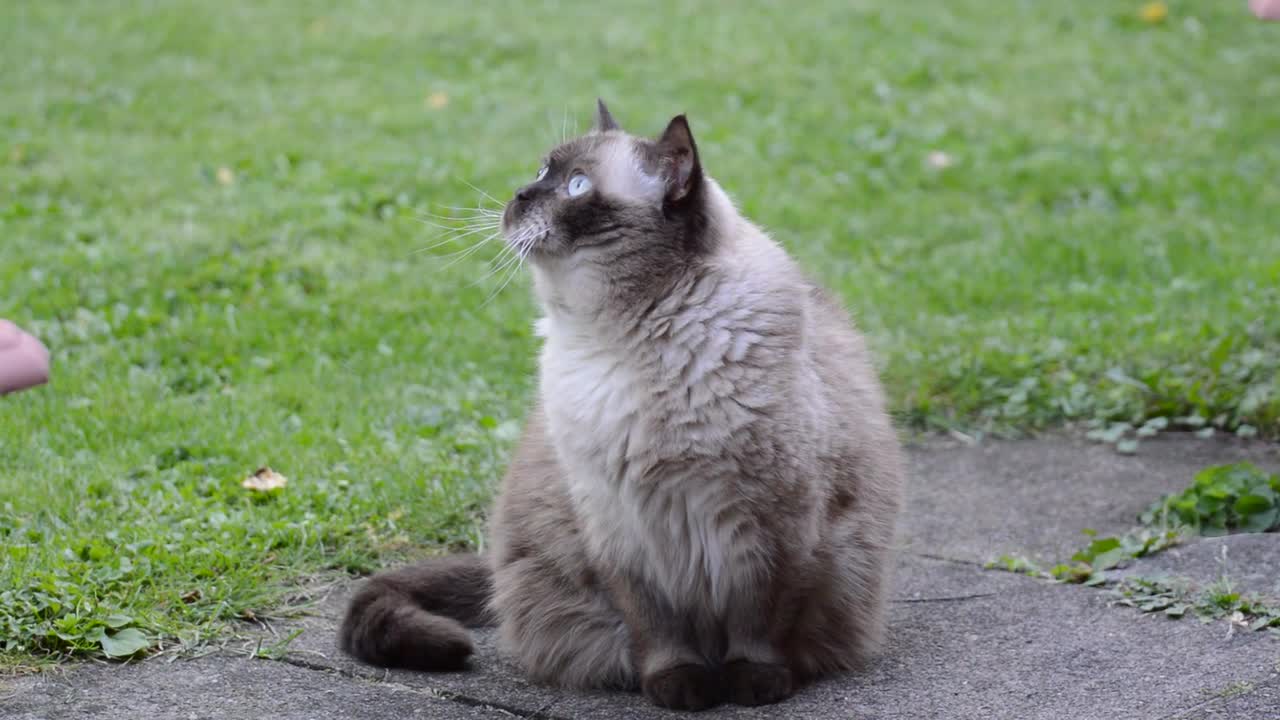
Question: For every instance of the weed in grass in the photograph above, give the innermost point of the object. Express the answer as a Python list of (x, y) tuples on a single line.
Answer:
[(277, 649)]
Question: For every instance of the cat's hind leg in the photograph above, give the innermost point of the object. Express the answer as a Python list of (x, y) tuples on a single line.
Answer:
[(840, 623), (561, 630)]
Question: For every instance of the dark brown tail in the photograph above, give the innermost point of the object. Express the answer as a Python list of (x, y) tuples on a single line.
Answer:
[(416, 616)]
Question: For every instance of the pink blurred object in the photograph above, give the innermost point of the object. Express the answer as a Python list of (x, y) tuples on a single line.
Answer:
[(1265, 9), (24, 361)]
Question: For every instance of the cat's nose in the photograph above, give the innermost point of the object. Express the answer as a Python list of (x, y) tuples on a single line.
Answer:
[(525, 193)]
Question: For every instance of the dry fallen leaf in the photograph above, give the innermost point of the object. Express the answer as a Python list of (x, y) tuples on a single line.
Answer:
[(264, 480), (225, 176), (1154, 12), (190, 597), (437, 100)]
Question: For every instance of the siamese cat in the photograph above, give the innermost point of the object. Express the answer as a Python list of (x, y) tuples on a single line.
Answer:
[(703, 502)]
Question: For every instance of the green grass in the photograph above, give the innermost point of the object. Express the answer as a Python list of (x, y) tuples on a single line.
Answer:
[(1104, 247)]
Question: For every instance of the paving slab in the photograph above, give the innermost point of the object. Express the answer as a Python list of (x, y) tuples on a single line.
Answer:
[(220, 687), (1034, 497), (966, 643), (1250, 562)]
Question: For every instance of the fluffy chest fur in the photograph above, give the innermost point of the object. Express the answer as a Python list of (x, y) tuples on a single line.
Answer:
[(657, 426)]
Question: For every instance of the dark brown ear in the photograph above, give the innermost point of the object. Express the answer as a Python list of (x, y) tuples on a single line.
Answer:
[(680, 166), (604, 121)]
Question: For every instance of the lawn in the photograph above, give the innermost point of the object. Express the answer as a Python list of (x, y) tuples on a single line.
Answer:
[(215, 214)]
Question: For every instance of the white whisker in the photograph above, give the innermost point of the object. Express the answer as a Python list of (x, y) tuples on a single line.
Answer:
[(429, 248), (453, 235), (472, 228), (487, 229), (470, 246), (477, 211), (524, 245), (515, 270), (456, 218), (464, 254), (464, 227), (508, 257), (433, 246), (487, 195), (485, 222)]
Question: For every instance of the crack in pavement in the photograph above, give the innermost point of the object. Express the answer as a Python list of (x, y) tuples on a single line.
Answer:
[(944, 558), (947, 598), (435, 692), (1274, 681)]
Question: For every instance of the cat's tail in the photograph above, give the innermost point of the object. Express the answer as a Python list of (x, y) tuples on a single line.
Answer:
[(417, 616)]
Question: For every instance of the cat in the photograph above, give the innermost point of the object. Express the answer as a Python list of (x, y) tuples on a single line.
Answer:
[(704, 497)]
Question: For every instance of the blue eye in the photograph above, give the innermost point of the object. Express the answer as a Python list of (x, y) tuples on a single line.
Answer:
[(542, 172), (579, 184)]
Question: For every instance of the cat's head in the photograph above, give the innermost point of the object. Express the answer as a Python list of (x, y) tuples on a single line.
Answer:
[(609, 200)]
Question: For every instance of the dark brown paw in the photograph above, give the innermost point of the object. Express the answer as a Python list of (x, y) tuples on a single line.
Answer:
[(684, 687), (751, 683)]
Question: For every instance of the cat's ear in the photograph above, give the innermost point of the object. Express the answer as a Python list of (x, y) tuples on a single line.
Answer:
[(681, 169), (604, 120)]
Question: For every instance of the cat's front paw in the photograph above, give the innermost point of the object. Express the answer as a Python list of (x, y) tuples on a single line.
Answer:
[(684, 687), (752, 683)]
